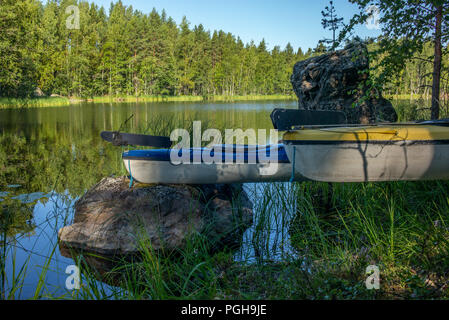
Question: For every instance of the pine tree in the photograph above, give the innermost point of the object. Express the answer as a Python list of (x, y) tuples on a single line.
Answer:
[(331, 21), (19, 38)]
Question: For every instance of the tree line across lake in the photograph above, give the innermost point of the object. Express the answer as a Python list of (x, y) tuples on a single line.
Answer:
[(124, 52), (127, 52)]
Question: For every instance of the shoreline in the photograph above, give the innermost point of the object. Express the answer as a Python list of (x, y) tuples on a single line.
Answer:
[(60, 101), (13, 103)]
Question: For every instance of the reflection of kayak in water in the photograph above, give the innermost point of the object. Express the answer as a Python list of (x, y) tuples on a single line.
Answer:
[(385, 152), (236, 164)]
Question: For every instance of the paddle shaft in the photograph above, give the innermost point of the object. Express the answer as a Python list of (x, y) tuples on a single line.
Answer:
[(125, 139)]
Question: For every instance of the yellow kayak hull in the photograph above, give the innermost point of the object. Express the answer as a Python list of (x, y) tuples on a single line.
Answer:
[(372, 153)]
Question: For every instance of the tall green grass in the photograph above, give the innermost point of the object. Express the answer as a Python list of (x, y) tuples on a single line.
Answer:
[(417, 109), (308, 241), (34, 102), (62, 101), (211, 98), (399, 226)]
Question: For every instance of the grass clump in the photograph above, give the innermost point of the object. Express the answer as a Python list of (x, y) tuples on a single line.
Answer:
[(402, 227), (34, 102), (65, 101)]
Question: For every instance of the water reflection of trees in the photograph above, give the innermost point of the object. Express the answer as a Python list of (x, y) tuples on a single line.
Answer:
[(54, 165), (59, 149), (44, 166), (15, 218)]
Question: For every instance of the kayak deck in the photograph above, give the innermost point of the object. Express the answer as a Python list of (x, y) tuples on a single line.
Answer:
[(220, 153), (369, 134)]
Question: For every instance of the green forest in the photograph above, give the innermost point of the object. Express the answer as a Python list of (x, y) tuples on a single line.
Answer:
[(125, 52), (121, 51)]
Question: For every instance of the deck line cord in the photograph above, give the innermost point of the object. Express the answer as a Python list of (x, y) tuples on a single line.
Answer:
[(292, 178), (130, 174)]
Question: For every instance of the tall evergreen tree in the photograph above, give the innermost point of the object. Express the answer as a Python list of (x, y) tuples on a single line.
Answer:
[(19, 37), (332, 22)]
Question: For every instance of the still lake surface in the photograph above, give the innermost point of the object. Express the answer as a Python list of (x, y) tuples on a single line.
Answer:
[(50, 156)]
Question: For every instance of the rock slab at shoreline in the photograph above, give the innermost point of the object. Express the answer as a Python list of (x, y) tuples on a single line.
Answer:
[(111, 217)]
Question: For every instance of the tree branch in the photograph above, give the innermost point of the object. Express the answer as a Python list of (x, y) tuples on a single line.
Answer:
[(421, 59), (427, 9)]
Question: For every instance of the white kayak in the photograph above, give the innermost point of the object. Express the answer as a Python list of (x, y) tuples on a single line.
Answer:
[(241, 164), (372, 153)]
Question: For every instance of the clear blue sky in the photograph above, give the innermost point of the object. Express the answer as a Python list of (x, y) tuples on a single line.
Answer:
[(279, 22)]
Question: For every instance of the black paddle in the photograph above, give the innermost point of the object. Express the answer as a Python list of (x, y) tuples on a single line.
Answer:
[(286, 119), (125, 139)]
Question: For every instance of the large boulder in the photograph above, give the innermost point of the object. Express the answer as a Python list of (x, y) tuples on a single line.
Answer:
[(111, 218), (337, 81)]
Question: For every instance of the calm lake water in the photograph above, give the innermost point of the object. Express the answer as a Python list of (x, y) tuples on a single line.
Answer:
[(50, 156)]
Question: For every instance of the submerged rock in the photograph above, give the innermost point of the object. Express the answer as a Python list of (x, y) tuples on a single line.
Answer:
[(111, 218), (336, 81)]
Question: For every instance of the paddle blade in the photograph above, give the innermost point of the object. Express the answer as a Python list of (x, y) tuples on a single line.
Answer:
[(125, 139), (286, 119)]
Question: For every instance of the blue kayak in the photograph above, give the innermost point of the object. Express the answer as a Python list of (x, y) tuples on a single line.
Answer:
[(219, 164)]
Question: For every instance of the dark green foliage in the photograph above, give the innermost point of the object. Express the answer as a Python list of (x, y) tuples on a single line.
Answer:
[(127, 52), (19, 36), (407, 26)]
